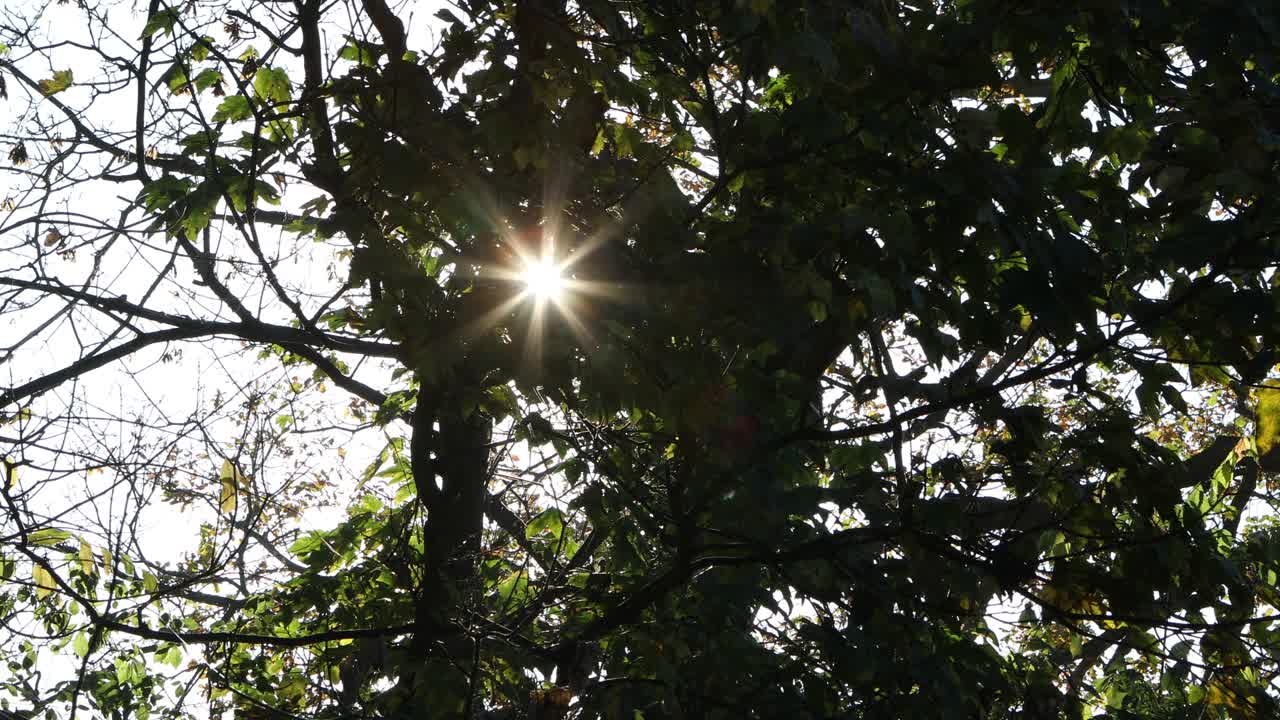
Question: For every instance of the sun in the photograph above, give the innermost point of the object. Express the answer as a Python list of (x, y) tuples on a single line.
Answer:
[(543, 279)]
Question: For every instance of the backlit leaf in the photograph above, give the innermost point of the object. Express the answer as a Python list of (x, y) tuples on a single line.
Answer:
[(44, 581), (61, 80)]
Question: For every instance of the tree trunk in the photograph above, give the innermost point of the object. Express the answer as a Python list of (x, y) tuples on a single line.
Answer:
[(450, 460)]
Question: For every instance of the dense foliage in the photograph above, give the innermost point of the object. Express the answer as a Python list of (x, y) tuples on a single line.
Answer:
[(912, 359)]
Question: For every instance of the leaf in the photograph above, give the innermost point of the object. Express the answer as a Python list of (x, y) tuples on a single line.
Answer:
[(233, 109), (177, 80), (61, 80), (48, 537), (271, 84), (232, 484), (513, 589), (80, 646), (550, 521), (627, 140), (44, 582), (207, 79), (164, 191), (23, 415), (162, 21), (359, 52), (1115, 696), (1267, 433), (86, 558), (171, 657)]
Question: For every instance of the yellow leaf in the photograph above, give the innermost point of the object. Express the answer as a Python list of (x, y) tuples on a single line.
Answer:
[(227, 500), (1060, 598), (44, 582), (1024, 318), (1216, 694), (86, 558), (232, 483), (1267, 432), (1091, 606), (1221, 691)]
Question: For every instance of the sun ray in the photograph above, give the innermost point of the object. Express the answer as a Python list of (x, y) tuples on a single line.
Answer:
[(533, 342), (551, 270), (491, 318)]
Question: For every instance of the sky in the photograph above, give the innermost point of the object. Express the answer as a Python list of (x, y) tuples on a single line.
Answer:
[(159, 385)]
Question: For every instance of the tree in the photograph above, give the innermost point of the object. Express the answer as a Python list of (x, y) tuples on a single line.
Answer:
[(909, 360)]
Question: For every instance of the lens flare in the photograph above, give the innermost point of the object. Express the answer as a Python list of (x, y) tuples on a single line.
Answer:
[(543, 280)]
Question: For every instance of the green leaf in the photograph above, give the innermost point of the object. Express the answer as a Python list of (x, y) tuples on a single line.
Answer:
[(161, 21), (271, 85), (61, 80), (233, 108), (550, 521), (200, 50), (48, 537), (172, 656), (627, 140), (176, 79), (1115, 696), (164, 191), (359, 52), (513, 590), (207, 79)]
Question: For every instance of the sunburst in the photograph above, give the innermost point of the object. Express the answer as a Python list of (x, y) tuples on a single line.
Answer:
[(544, 279), (554, 287)]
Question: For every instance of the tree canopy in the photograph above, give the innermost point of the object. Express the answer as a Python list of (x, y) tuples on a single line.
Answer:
[(621, 359)]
